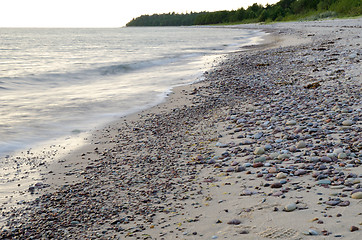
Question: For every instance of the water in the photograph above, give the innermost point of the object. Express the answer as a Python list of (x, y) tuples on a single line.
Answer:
[(60, 82)]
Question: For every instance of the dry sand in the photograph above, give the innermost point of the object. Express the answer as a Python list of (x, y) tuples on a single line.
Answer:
[(272, 127)]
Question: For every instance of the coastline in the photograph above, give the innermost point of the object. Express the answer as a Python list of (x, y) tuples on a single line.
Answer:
[(181, 169)]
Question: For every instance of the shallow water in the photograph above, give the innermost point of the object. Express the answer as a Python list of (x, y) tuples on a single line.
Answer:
[(60, 82)]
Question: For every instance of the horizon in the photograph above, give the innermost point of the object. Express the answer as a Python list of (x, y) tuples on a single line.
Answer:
[(100, 14)]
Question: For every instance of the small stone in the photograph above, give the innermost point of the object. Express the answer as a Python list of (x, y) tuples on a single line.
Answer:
[(354, 228), (234, 222), (324, 182), (342, 156), (291, 123), (281, 175), (259, 151), (332, 202), (312, 232), (301, 144), (260, 159), (276, 185), (300, 172), (338, 151), (347, 123), (283, 156), (357, 195), (258, 164), (273, 170), (290, 207)]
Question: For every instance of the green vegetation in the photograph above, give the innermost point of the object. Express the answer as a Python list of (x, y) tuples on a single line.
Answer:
[(284, 10)]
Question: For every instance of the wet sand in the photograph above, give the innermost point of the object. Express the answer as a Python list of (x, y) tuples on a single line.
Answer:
[(268, 146)]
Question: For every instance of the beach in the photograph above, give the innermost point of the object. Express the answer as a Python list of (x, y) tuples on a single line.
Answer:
[(267, 146)]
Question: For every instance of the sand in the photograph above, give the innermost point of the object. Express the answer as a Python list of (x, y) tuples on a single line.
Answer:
[(268, 146)]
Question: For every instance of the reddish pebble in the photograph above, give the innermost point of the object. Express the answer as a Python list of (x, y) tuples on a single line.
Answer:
[(258, 164), (276, 185)]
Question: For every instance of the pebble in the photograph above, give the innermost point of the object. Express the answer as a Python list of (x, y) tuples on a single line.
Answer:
[(342, 155), (234, 222), (347, 123), (301, 144), (357, 195), (291, 123), (276, 185), (324, 182), (290, 207), (259, 151), (281, 175), (354, 228)]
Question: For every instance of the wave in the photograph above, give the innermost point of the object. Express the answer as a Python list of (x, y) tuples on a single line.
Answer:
[(89, 73)]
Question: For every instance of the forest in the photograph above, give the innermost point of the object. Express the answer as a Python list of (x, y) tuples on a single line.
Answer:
[(284, 10)]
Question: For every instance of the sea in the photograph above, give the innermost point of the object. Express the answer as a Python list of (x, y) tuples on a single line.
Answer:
[(57, 83)]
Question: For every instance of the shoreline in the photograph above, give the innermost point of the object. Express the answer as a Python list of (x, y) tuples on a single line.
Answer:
[(172, 171)]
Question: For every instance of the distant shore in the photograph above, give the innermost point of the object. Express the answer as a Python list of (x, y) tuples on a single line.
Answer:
[(272, 134)]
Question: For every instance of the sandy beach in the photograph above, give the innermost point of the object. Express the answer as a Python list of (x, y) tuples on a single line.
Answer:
[(268, 146)]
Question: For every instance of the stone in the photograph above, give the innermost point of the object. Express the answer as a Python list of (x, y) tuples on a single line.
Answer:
[(354, 228), (357, 195), (260, 159), (283, 156), (290, 207), (347, 123), (324, 182), (276, 185), (337, 151), (273, 170), (342, 156), (291, 123), (259, 151), (281, 175), (301, 144), (234, 222)]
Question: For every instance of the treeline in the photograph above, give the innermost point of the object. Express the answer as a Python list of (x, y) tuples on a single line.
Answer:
[(166, 19), (284, 10)]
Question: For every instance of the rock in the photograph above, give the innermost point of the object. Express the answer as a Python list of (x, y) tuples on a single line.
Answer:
[(357, 195), (354, 228), (239, 169), (333, 202), (276, 185), (347, 123), (301, 144), (268, 147), (281, 175), (234, 222), (273, 170), (342, 156), (258, 135), (313, 85), (258, 164), (283, 156), (300, 172), (291, 123), (260, 159), (326, 159), (290, 207), (313, 232), (344, 204), (324, 182), (337, 151), (259, 151)]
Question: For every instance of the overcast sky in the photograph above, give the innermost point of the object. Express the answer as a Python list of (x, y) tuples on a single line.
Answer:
[(101, 13)]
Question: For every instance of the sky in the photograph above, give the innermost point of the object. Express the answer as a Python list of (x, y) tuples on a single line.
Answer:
[(102, 13)]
